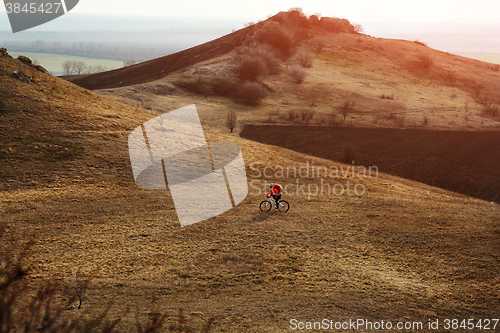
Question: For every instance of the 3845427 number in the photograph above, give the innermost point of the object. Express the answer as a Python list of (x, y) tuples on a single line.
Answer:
[(471, 324), (32, 8)]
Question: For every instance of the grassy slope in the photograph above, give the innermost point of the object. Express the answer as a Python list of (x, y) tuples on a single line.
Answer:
[(403, 251)]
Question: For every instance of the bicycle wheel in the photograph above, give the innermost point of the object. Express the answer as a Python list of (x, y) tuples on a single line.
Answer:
[(283, 206), (265, 206)]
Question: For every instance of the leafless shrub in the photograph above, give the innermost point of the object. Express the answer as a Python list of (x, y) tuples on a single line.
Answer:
[(333, 119), (454, 95), (250, 93), (318, 43), (276, 36), (399, 121), (421, 43), (348, 154), (425, 121), (231, 120), (425, 60), (297, 73), (127, 63), (264, 52), (246, 92), (384, 96), (198, 85), (252, 69), (491, 111), (483, 99), (304, 58), (306, 115), (292, 114)]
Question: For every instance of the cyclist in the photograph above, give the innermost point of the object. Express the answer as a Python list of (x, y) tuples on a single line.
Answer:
[(275, 192)]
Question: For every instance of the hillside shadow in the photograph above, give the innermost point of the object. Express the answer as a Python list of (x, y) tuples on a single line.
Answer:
[(261, 217)]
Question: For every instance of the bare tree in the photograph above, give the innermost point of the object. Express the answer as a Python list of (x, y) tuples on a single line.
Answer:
[(306, 115), (57, 46), (358, 28), (38, 45), (67, 67), (78, 67), (88, 69), (231, 120), (91, 47), (99, 69), (347, 107), (79, 287)]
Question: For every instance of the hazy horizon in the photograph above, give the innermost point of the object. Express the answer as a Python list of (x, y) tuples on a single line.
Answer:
[(457, 38), (382, 18)]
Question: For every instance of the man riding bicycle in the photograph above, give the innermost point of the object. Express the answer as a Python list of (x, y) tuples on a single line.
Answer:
[(275, 192)]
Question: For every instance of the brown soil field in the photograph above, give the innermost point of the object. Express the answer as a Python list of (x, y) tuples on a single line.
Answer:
[(464, 162)]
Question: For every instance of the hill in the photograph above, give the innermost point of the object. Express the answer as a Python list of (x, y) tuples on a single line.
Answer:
[(389, 83), (158, 68), (400, 252)]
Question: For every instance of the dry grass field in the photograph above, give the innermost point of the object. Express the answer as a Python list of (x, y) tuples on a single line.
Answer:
[(400, 251)]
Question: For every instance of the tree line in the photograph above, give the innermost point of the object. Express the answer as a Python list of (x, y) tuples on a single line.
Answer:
[(79, 67), (71, 67), (90, 49)]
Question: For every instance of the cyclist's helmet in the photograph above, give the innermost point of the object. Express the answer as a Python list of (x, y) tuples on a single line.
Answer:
[(271, 185)]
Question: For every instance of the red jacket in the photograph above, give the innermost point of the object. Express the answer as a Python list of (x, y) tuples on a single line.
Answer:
[(276, 190)]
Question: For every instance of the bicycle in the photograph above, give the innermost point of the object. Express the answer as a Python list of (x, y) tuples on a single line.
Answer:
[(266, 205)]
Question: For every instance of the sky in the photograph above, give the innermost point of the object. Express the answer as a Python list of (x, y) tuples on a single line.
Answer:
[(479, 11), (456, 26)]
